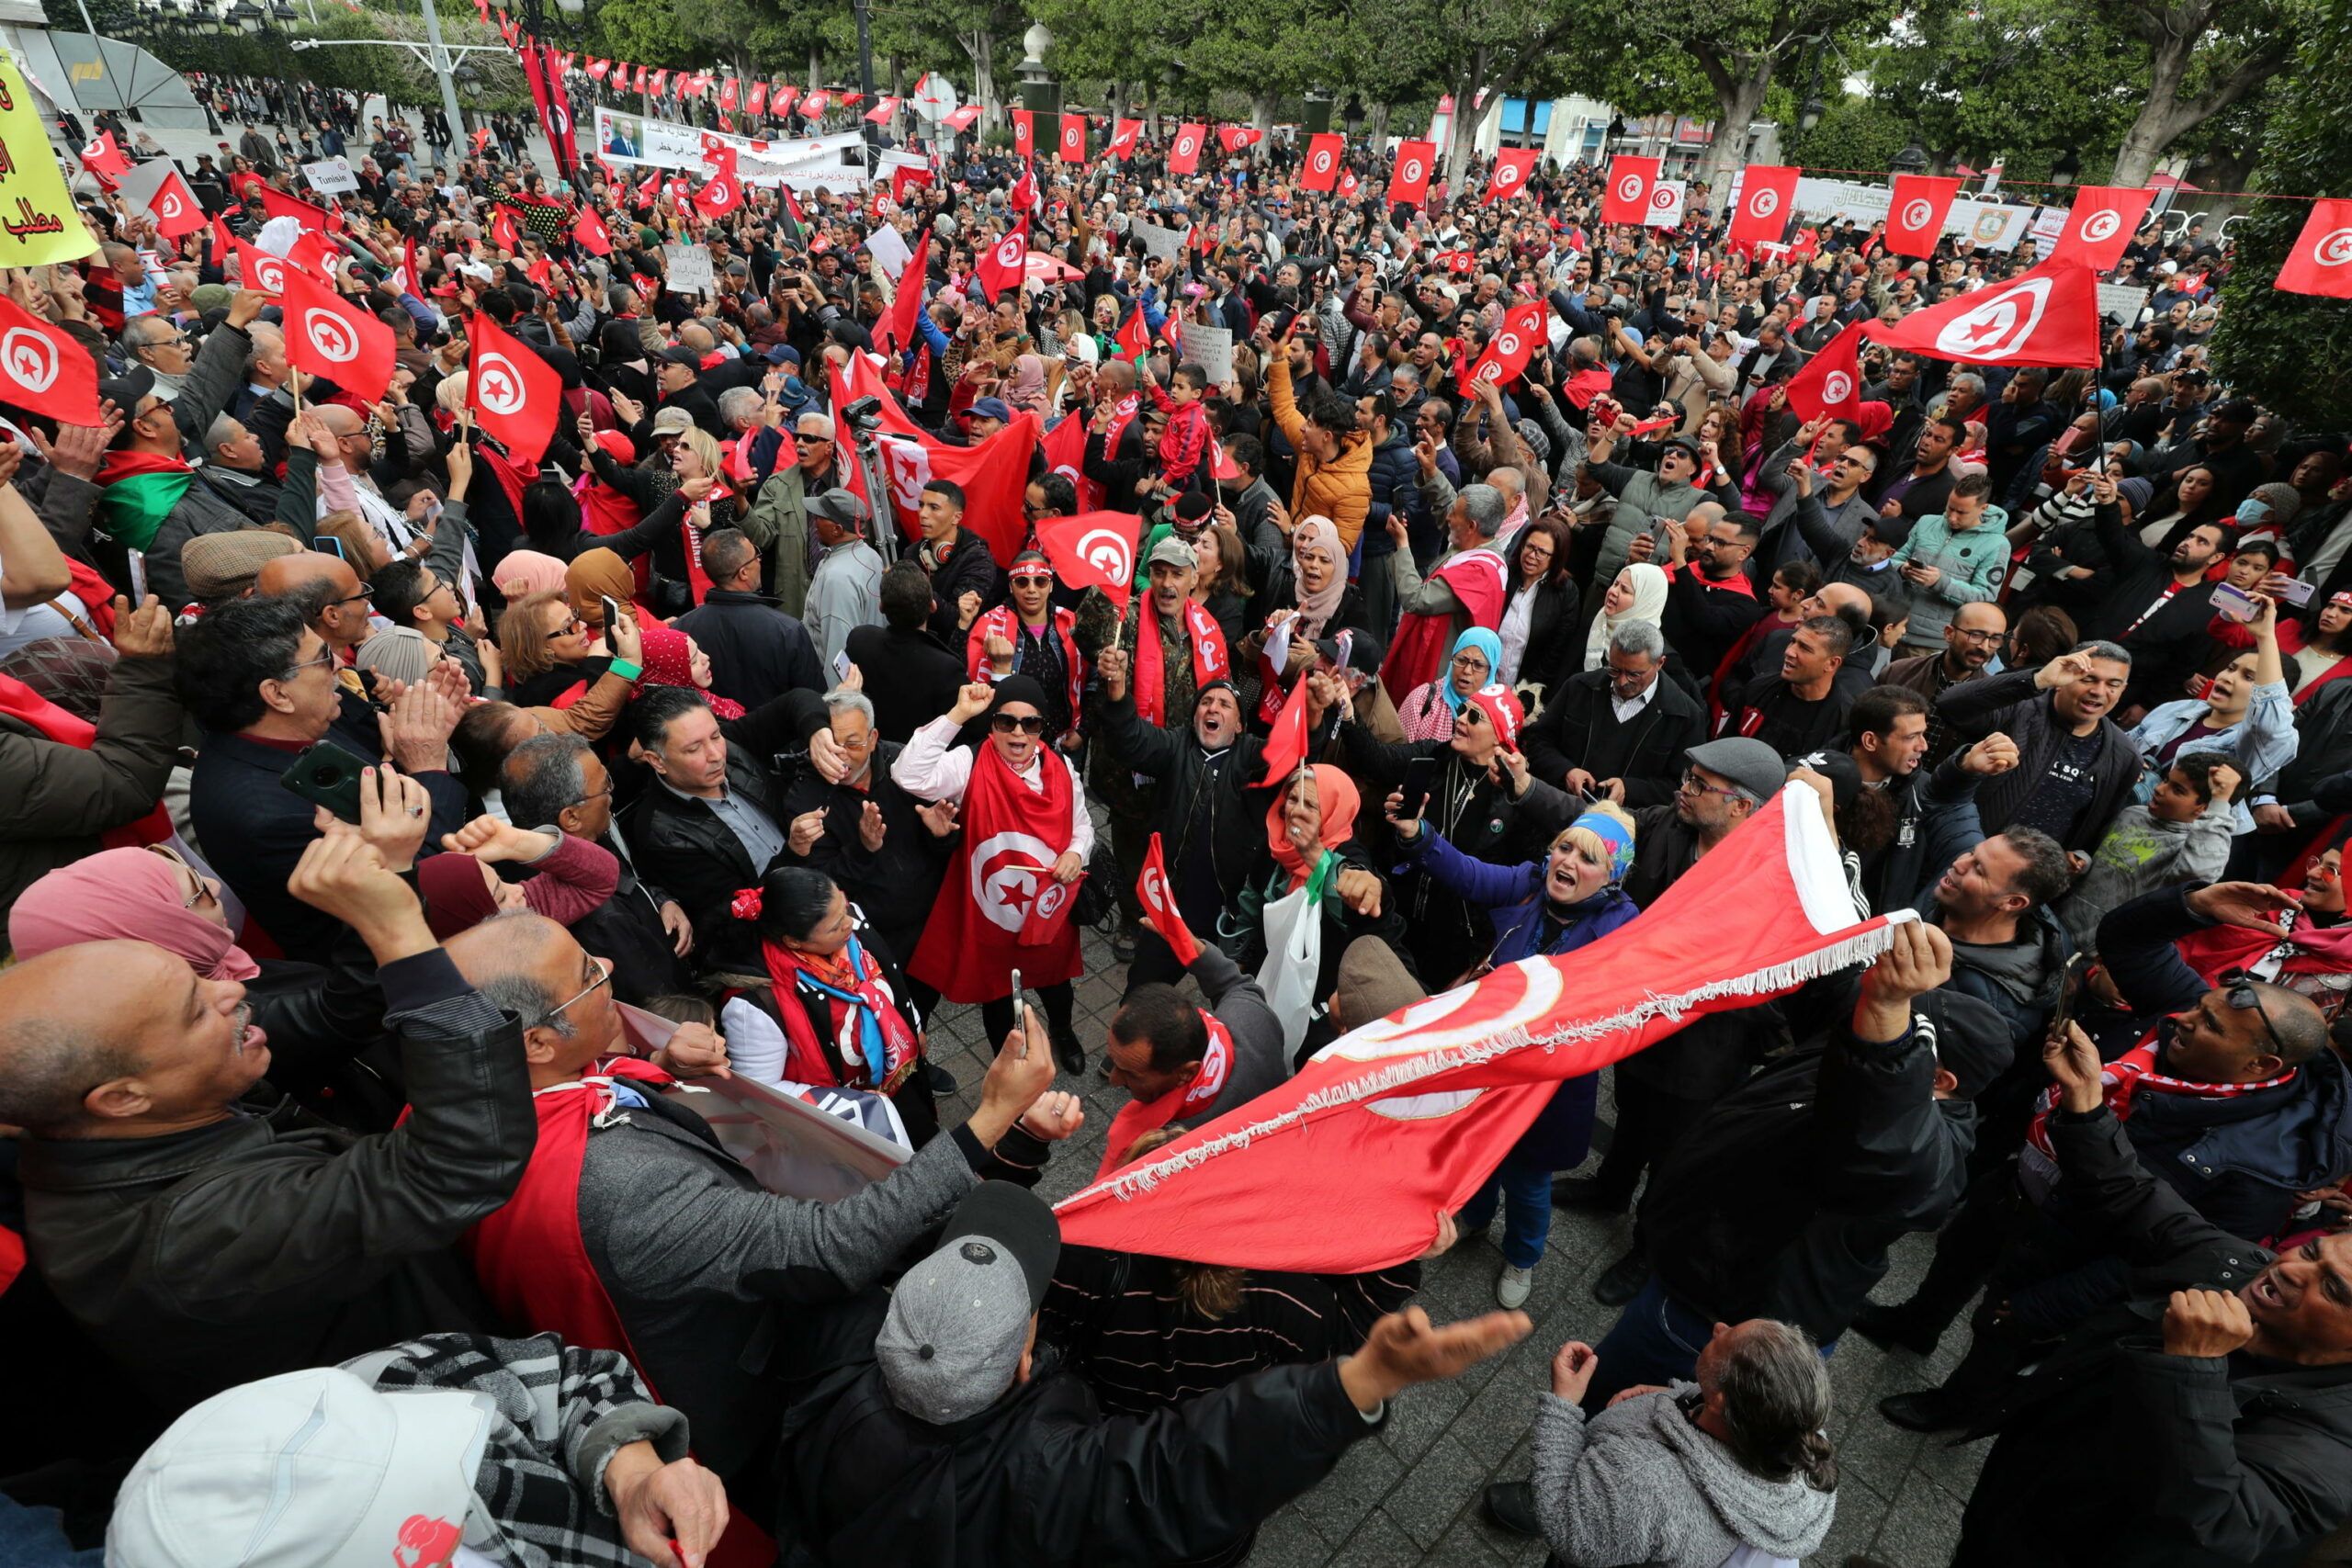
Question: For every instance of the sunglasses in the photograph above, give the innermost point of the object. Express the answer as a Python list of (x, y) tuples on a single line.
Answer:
[(1030, 724), (1031, 579), (2237, 986)]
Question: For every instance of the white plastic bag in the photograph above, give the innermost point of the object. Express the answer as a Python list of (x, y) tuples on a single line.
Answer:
[(1294, 927)]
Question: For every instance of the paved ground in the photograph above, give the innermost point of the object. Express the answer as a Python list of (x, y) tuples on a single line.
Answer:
[(1410, 1496)]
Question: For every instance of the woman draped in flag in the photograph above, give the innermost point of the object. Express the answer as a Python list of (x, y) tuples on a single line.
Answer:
[(1005, 902), (836, 1013)]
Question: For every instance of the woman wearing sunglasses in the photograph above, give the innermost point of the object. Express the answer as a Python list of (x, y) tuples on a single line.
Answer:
[(1031, 637), (1005, 902), (836, 1013)]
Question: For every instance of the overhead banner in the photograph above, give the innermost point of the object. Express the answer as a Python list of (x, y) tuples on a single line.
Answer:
[(836, 162)]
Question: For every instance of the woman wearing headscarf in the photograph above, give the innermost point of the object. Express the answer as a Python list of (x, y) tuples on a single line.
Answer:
[(836, 1013), (596, 575), (1540, 908), (1026, 387), (673, 659), (1429, 710), (568, 878), (1310, 838), (1469, 805), (1309, 590), (397, 653), (528, 571), (1638, 594), (323, 1023)]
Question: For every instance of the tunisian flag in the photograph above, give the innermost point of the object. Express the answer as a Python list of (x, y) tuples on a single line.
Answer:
[(1004, 266), (1322, 162), (515, 393), (1831, 383), (1073, 140), (44, 370), (1511, 169), (1627, 201), (1184, 153), (2046, 316), (1094, 549), (1916, 210), (1766, 193), (994, 475), (2103, 220), (1024, 134), (1522, 334), (2321, 261), (329, 338), (1398, 1122), (1153, 892), (1408, 179), (1122, 138), (589, 230), (1013, 835)]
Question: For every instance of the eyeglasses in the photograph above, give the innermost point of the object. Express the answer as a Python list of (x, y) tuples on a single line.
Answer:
[(326, 656), (1982, 640), (1626, 677), (2238, 986), (1694, 785), (1028, 724), (574, 625), (597, 967), (365, 588), (1469, 661)]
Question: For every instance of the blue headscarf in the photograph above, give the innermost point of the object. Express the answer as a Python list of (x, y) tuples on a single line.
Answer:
[(1489, 645), (1616, 835)]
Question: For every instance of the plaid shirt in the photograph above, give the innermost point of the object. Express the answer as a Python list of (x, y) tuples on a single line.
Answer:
[(562, 1412)]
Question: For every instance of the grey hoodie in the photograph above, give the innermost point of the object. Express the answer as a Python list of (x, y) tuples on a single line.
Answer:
[(1640, 1484)]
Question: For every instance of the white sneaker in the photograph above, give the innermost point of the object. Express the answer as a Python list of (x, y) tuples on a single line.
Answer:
[(1512, 1286)]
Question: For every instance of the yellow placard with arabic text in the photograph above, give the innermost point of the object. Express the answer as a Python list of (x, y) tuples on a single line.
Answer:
[(38, 220)]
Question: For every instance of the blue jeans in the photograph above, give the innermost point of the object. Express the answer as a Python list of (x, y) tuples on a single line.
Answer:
[(1657, 1339), (1525, 1191)]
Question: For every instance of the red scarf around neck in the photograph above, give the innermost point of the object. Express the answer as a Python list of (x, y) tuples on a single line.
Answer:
[(852, 990), (1138, 1117), (1209, 661)]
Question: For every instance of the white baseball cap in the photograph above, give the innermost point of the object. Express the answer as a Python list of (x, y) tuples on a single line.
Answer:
[(313, 1468)]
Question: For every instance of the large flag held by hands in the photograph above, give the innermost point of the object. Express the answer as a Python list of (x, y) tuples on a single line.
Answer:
[(1348, 1166), (1831, 383), (2047, 315), (1094, 549)]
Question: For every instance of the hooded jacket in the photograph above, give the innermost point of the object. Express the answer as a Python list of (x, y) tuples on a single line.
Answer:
[(1639, 1483)]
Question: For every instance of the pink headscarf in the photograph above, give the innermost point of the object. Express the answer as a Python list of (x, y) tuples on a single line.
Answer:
[(1028, 387), (528, 571), (123, 894)]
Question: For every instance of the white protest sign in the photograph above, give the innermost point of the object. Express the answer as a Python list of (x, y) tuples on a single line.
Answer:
[(2124, 302), (1842, 199), (1988, 225), (687, 267), (890, 248), (332, 177), (836, 162), (1666, 198), (1211, 348), (1166, 245), (2048, 223)]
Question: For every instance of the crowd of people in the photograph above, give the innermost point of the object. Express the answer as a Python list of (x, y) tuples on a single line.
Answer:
[(405, 837)]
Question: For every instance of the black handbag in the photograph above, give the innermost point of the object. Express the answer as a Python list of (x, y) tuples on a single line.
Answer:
[(1099, 894)]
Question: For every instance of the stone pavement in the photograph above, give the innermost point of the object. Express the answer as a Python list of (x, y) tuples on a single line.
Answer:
[(1409, 1496)]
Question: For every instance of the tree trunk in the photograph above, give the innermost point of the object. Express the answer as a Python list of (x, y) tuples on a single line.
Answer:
[(2160, 118), (2224, 172), (816, 78), (1738, 102), (981, 46), (1462, 130), (1261, 120), (1115, 101), (1152, 107), (1376, 125)]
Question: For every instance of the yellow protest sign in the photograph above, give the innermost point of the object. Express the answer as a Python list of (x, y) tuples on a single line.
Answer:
[(38, 220)]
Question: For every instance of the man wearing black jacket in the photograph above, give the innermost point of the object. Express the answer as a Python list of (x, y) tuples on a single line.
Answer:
[(965, 1441), (2156, 606), (205, 1243), (1620, 730), (1784, 1202), (2207, 1419), (2075, 769)]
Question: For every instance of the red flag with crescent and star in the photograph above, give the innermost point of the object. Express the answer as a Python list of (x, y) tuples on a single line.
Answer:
[(514, 394), (2045, 316), (1012, 836), (1094, 549), (1831, 383), (1398, 1123), (43, 370), (2321, 261), (338, 341), (1154, 892)]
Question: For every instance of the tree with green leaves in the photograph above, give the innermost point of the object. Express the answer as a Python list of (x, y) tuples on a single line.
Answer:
[(2279, 348), (1979, 81), (2203, 57)]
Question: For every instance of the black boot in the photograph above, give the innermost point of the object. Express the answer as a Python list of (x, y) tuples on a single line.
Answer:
[(1622, 1281), (1586, 1192), (1510, 1505), (1929, 1410), (1896, 1328), (1069, 1055)]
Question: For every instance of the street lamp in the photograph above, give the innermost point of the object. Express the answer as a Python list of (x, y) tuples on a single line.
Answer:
[(1810, 115), (2067, 169), (1351, 115), (1912, 160)]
